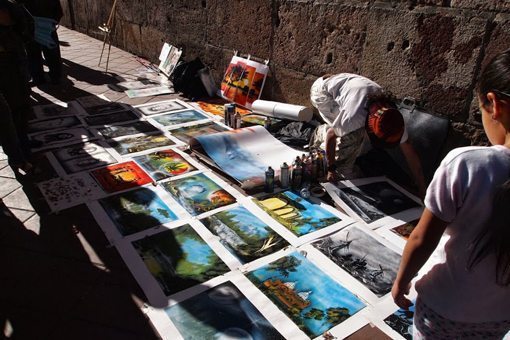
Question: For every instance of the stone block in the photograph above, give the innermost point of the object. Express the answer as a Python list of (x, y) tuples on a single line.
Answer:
[(319, 38), (134, 11), (81, 15), (152, 40), (130, 37), (288, 86), (240, 25), (66, 18), (429, 55), (482, 5)]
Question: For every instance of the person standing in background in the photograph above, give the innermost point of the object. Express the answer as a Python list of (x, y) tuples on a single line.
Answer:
[(47, 15), (14, 90)]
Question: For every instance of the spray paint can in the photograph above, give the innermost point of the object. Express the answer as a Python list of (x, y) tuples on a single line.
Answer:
[(297, 173), (269, 183), (237, 120), (232, 114), (284, 175), (226, 114), (267, 123), (321, 171), (315, 166)]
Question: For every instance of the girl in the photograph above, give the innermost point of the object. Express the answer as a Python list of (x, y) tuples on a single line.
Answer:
[(466, 294)]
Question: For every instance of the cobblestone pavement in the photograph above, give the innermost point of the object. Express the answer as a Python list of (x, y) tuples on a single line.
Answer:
[(59, 277)]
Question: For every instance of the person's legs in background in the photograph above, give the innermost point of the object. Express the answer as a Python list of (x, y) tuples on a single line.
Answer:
[(53, 60), (35, 62)]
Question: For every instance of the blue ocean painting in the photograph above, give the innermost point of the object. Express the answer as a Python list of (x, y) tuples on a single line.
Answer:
[(222, 312), (137, 210), (179, 117), (243, 234), (179, 258), (402, 322), (296, 213), (198, 193), (313, 301), (236, 161)]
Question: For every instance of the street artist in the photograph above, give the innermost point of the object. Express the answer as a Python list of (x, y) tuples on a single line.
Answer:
[(355, 109)]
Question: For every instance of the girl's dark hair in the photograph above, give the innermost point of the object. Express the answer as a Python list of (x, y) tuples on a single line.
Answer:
[(496, 77), (385, 97), (495, 237)]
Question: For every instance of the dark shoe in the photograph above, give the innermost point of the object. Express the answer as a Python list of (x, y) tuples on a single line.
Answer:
[(37, 82)]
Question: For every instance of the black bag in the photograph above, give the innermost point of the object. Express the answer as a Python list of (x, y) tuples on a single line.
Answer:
[(186, 79)]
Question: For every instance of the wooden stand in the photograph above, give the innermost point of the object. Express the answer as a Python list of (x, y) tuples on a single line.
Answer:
[(107, 29)]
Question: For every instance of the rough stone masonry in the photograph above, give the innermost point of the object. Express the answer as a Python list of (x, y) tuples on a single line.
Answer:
[(432, 50)]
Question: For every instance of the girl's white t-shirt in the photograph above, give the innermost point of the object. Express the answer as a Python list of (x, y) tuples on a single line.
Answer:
[(461, 194)]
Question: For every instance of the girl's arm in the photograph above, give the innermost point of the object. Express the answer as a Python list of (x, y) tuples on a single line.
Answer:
[(422, 242)]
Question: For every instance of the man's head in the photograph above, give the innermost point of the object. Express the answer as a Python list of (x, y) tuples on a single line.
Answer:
[(384, 124)]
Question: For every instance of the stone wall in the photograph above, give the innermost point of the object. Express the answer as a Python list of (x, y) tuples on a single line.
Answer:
[(432, 50)]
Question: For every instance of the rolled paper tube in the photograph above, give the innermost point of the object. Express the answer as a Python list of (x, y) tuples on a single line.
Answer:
[(282, 110)]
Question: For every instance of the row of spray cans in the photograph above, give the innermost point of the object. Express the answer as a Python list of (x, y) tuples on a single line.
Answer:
[(305, 170), (232, 117)]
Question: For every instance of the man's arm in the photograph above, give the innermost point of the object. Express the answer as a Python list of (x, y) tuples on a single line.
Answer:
[(414, 163), (330, 155)]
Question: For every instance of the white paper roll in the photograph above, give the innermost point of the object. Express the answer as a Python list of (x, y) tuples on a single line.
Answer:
[(282, 110)]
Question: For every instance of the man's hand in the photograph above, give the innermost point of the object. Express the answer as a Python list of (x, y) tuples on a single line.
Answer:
[(332, 177)]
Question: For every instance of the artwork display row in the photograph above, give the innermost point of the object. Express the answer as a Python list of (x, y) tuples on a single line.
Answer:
[(271, 266)]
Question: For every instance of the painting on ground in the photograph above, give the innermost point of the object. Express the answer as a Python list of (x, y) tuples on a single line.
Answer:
[(120, 176), (238, 155), (53, 138), (243, 234), (374, 201), (243, 81), (160, 107), (309, 297), (362, 256), (113, 131), (164, 164), (137, 144), (112, 118), (405, 230), (297, 214), (81, 157), (179, 117), (186, 133), (137, 210), (222, 312), (55, 110), (105, 108), (198, 193), (53, 124), (402, 322), (179, 258), (62, 193), (216, 106)]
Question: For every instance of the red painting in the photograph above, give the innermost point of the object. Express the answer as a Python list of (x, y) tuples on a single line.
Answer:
[(121, 176)]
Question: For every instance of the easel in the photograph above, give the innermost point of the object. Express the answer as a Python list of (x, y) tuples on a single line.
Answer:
[(107, 29)]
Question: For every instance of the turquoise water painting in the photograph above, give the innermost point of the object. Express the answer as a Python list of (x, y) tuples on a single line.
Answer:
[(222, 312), (236, 161), (198, 193), (179, 117), (309, 297), (179, 258), (137, 210), (297, 214), (243, 234)]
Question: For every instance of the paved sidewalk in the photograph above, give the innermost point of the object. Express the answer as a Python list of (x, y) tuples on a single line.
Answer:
[(59, 277)]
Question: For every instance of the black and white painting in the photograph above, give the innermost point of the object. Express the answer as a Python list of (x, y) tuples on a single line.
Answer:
[(54, 138), (112, 118), (113, 131), (53, 124), (160, 107), (363, 257), (371, 200), (105, 108), (81, 157)]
